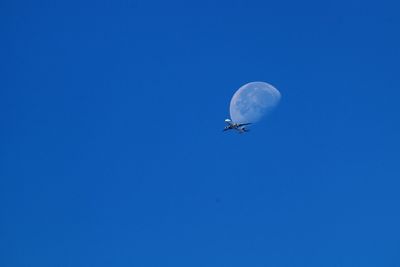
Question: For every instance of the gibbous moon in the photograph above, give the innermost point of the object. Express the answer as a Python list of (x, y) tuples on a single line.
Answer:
[(253, 101)]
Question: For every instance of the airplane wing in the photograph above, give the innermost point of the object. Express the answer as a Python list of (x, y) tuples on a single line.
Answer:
[(243, 124)]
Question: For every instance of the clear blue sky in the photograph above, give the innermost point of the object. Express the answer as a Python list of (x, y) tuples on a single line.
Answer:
[(112, 151)]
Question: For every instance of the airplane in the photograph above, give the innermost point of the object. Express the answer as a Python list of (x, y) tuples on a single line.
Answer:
[(236, 126)]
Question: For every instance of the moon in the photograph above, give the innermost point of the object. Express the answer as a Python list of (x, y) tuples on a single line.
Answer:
[(253, 101)]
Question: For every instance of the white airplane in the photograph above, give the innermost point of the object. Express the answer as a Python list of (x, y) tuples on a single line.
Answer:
[(236, 126)]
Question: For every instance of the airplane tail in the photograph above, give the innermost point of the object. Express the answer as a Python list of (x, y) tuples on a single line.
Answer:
[(228, 121)]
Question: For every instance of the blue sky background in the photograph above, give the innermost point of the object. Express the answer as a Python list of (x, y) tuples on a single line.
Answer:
[(112, 154)]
